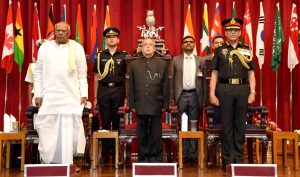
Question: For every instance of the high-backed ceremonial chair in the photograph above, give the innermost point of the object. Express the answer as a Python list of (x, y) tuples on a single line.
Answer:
[(127, 132), (214, 133), (32, 154)]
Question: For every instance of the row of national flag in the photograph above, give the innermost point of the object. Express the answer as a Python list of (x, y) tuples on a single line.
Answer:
[(278, 38), (13, 46)]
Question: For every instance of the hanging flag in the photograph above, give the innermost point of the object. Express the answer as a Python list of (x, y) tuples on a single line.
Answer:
[(278, 39), (64, 14), (188, 26), (8, 46), (106, 25), (233, 14), (204, 41), (94, 34), (260, 37), (19, 39), (50, 25), (293, 50), (79, 27), (247, 28), (216, 29), (36, 32)]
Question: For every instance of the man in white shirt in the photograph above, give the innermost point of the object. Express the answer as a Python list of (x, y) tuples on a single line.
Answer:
[(61, 90), (29, 79), (189, 89)]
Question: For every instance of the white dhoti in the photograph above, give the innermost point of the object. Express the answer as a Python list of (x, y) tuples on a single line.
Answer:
[(60, 78), (61, 137)]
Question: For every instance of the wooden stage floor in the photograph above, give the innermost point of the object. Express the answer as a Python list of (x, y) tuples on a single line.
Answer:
[(189, 170)]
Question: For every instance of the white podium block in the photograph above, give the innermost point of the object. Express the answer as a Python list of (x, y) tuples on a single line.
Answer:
[(247, 170), (154, 169), (47, 170)]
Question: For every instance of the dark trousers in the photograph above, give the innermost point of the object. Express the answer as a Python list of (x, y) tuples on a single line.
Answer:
[(233, 110), (149, 135), (188, 103), (109, 105)]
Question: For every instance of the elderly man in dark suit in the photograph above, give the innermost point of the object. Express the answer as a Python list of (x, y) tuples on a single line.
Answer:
[(189, 89), (148, 98)]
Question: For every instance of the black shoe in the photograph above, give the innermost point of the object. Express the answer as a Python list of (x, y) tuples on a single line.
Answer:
[(104, 159), (224, 168), (185, 160)]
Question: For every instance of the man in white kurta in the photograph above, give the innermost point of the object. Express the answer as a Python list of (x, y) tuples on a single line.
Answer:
[(61, 90)]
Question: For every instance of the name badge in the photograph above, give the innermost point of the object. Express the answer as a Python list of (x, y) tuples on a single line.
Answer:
[(245, 52)]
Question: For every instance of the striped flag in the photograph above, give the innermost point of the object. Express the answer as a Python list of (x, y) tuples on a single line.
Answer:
[(204, 41), (216, 29), (79, 28), (188, 26), (94, 34), (8, 46), (50, 25), (247, 28), (293, 50), (64, 14), (260, 46), (106, 25), (278, 39), (36, 32), (233, 14), (19, 39)]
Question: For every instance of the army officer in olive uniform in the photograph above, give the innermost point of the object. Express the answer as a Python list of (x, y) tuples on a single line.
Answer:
[(148, 98), (232, 87), (110, 70)]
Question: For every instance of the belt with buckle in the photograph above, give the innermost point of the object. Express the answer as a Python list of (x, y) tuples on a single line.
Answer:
[(233, 81), (111, 84), (189, 91)]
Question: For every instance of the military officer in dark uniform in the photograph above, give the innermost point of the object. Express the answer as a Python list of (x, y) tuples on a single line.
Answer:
[(148, 98), (232, 88), (110, 70)]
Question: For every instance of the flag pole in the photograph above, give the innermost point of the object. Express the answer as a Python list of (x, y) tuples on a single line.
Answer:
[(291, 102), (5, 96), (260, 86), (20, 98), (276, 97)]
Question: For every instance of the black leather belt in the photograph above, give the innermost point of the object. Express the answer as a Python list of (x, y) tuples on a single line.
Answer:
[(233, 81), (189, 91), (111, 84)]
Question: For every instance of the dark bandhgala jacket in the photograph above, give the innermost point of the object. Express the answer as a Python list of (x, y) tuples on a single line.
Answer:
[(148, 86)]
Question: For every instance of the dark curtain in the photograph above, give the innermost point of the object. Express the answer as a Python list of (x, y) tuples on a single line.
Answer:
[(127, 14)]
